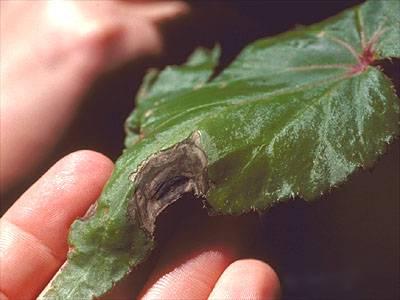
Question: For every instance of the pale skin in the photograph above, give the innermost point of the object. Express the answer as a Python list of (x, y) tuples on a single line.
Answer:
[(56, 60), (51, 52)]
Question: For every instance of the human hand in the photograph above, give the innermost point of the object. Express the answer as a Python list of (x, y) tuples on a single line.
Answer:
[(51, 53), (33, 243)]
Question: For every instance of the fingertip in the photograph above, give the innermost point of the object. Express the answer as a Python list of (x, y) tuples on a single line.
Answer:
[(193, 279), (34, 230), (62, 194), (142, 23), (161, 11), (84, 160), (247, 279), (83, 172), (195, 258), (71, 184)]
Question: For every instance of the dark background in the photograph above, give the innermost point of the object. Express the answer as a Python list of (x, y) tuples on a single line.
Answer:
[(345, 246)]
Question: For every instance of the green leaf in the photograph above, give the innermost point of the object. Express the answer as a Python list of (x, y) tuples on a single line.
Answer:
[(173, 79), (293, 115)]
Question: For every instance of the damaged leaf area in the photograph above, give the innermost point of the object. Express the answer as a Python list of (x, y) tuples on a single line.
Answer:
[(293, 115), (165, 178)]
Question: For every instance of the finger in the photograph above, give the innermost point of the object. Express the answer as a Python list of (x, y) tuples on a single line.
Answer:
[(159, 11), (194, 261), (247, 279), (115, 31), (139, 32), (33, 233)]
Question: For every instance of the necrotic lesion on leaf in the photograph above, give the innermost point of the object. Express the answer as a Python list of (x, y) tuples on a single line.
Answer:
[(165, 177)]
